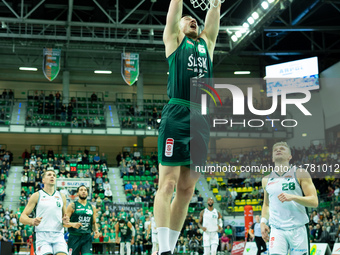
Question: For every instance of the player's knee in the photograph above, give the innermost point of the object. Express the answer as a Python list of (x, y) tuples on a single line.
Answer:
[(185, 193), (167, 187)]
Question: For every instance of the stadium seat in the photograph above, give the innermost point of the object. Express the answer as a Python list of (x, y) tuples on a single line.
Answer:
[(231, 209), (254, 202), (244, 189), (243, 202), (220, 179), (250, 189), (248, 201), (239, 189), (218, 198), (215, 190), (240, 209), (208, 179), (237, 202)]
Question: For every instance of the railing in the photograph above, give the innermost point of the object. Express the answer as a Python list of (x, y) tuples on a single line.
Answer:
[(59, 149)]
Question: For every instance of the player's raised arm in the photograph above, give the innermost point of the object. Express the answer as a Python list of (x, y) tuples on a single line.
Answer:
[(172, 29), (32, 202), (211, 28)]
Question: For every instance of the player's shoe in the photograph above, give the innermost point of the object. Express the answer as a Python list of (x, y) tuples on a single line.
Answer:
[(163, 253)]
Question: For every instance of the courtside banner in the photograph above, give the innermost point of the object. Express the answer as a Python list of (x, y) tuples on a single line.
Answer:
[(128, 206), (51, 63), (238, 248), (130, 67), (68, 187), (319, 249), (336, 249)]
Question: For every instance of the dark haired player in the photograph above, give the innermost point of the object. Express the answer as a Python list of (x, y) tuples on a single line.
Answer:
[(82, 222)]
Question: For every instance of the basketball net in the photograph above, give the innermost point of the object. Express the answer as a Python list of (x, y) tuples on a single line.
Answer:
[(206, 4)]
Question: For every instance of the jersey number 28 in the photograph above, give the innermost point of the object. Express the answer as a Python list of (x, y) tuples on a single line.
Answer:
[(288, 186)]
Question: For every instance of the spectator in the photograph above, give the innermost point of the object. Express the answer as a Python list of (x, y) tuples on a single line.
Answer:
[(94, 97), (69, 112), (96, 122), (63, 112), (229, 232), (84, 123), (324, 237), (4, 94), (40, 122), (138, 199), (129, 123), (91, 122), (57, 99), (2, 193), (108, 193), (74, 123), (96, 159), (10, 94), (224, 243), (153, 170), (213, 183), (181, 245), (128, 188)]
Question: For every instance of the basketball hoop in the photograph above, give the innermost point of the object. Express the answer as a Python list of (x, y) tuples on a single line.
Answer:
[(206, 4)]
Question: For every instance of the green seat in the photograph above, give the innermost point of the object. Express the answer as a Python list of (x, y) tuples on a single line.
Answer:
[(147, 173), (125, 178), (132, 178), (137, 178), (80, 167), (85, 166), (143, 178)]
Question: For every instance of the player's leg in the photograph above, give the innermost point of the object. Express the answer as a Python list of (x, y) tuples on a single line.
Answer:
[(206, 243), (299, 241), (122, 247), (128, 248), (179, 207), (214, 241), (42, 244), (59, 244), (86, 245), (278, 244), (74, 245), (168, 178)]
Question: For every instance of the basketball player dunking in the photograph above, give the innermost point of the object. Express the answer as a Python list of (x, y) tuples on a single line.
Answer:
[(288, 190), (211, 223), (50, 206), (189, 55)]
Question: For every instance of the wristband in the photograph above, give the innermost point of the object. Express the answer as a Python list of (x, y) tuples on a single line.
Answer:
[(264, 220)]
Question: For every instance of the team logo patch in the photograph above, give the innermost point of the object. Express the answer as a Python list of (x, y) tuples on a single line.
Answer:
[(169, 147), (201, 48)]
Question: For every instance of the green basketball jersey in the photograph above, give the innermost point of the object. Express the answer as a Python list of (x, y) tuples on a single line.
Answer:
[(190, 59), (125, 231), (83, 214)]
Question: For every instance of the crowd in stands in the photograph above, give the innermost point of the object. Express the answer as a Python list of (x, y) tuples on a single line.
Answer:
[(149, 119), (75, 113)]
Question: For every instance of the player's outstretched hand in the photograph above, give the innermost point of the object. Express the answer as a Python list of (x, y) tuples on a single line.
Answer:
[(66, 219), (36, 221), (284, 197), (265, 231), (219, 228), (77, 225)]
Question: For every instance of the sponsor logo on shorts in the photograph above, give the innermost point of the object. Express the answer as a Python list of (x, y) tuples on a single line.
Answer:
[(313, 250), (272, 239), (169, 147)]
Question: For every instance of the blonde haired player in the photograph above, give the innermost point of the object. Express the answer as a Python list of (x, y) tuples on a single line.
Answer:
[(189, 55), (50, 206), (211, 223), (288, 190)]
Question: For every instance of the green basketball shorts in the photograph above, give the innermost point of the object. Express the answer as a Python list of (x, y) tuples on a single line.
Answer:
[(81, 243), (183, 135)]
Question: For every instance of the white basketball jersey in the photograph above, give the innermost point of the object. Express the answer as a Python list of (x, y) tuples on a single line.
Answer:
[(286, 215), (210, 220), (50, 209), (153, 226)]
